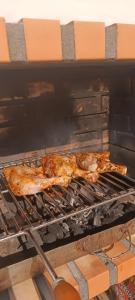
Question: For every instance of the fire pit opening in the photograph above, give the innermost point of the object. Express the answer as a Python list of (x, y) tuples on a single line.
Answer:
[(67, 108)]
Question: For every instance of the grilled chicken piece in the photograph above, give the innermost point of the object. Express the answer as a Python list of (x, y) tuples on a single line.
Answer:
[(24, 180), (58, 165), (99, 162), (86, 161), (111, 167), (89, 160), (59, 170), (89, 176)]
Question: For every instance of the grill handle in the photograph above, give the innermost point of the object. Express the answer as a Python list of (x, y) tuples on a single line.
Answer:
[(43, 256), (61, 288)]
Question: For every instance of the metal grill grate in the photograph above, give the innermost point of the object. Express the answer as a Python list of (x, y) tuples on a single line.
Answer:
[(18, 214)]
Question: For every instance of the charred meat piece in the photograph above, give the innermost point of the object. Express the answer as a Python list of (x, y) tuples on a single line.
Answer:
[(24, 180)]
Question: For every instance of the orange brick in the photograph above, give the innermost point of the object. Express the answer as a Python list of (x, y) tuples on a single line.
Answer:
[(89, 40), (63, 271), (95, 272), (125, 263), (83, 40), (4, 51), (120, 41), (43, 40)]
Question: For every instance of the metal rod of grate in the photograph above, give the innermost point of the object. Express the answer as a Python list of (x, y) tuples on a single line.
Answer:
[(58, 203)]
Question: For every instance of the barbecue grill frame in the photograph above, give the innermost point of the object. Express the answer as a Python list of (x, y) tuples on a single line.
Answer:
[(60, 255), (22, 231)]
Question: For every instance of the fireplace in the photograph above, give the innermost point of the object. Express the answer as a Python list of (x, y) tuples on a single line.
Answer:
[(66, 108), (58, 94)]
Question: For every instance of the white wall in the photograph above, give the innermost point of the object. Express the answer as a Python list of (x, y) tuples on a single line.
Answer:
[(109, 11)]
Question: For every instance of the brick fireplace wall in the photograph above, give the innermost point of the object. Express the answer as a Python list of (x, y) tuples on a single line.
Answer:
[(122, 121)]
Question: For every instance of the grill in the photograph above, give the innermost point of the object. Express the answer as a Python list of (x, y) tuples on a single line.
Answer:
[(63, 108), (59, 204)]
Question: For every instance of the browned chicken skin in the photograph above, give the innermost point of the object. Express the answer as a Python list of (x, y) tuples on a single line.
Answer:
[(61, 165), (59, 170), (24, 180), (99, 162)]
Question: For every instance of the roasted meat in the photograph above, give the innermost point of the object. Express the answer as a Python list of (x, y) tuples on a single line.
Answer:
[(99, 162), (56, 170), (89, 176), (58, 165), (89, 160), (24, 180), (61, 165), (59, 170), (109, 166)]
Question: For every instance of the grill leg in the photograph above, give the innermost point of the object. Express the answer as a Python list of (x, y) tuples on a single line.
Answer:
[(43, 287)]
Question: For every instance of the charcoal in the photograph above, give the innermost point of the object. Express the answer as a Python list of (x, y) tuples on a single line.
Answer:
[(54, 228), (50, 238), (72, 201), (43, 231), (73, 197), (74, 227), (57, 230), (119, 210), (129, 207), (87, 194), (13, 210), (60, 234), (65, 227), (77, 229), (98, 191), (39, 205), (97, 220), (2, 234), (57, 201), (116, 210)]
